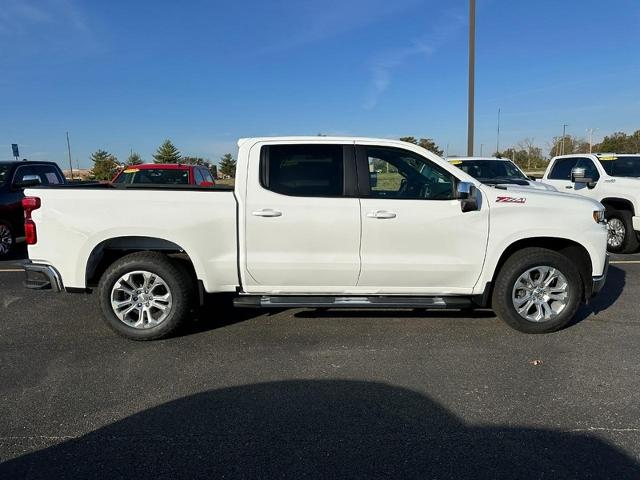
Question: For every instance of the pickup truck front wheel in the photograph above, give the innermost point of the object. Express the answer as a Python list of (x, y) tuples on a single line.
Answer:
[(145, 296), (621, 237), (537, 291)]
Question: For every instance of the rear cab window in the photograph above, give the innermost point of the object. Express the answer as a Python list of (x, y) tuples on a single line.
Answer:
[(154, 176), (48, 174)]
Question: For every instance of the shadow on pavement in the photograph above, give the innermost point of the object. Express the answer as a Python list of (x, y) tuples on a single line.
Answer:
[(613, 288), (318, 429)]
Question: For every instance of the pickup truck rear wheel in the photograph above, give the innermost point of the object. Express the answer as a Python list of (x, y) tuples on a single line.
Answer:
[(145, 296), (537, 291), (621, 236)]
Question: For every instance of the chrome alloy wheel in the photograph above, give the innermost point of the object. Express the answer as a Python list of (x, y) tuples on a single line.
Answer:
[(540, 294), (6, 240), (141, 299), (616, 232)]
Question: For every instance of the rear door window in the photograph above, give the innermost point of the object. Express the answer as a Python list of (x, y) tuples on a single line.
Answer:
[(303, 170)]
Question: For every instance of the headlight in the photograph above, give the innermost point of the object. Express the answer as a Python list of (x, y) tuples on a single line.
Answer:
[(598, 216)]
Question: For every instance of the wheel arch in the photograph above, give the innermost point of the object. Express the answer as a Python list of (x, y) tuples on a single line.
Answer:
[(112, 249), (616, 203), (576, 252)]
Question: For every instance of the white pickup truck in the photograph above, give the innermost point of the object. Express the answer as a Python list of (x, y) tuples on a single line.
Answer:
[(613, 180), (320, 222)]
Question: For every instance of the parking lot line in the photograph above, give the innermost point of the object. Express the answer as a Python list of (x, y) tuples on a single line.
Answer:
[(622, 262)]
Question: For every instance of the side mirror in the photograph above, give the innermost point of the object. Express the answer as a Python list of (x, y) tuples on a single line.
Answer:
[(578, 176), (467, 193), (28, 181)]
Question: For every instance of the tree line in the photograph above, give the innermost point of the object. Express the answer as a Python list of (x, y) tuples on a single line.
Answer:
[(529, 156), (526, 154), (106, 165)]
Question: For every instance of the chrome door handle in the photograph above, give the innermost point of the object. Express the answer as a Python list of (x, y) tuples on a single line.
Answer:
[(382, 214), (267, 212)]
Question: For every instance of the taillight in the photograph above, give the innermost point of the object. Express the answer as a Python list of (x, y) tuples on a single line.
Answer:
[(29, 204)]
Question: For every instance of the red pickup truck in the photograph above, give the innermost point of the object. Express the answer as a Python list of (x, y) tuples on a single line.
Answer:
[(166, 174)]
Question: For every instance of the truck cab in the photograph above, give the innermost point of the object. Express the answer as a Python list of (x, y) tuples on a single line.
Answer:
[(613, 180)]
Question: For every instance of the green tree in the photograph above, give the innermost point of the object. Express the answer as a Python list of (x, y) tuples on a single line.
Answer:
[(167, 153), (134, 159), (227, 165), (105, 165), (619, 142), (426, 143)]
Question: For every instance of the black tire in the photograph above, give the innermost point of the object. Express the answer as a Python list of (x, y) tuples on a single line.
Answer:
[(7, 240), (630, 241), (518, 264), (178, 282)]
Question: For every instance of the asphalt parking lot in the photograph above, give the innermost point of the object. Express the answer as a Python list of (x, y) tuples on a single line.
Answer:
[(321, 394)]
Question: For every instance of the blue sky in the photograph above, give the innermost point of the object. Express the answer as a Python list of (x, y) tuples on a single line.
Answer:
[(122, 75)]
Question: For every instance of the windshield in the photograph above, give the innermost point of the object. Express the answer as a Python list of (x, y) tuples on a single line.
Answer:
[(490, 169), (621, 166), (154, 176), (4, 171)]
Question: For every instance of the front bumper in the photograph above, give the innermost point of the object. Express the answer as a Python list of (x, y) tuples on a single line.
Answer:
[(42, 277), (598, 282)]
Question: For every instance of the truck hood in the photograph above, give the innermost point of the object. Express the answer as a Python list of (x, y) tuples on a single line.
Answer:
[(533, 185)]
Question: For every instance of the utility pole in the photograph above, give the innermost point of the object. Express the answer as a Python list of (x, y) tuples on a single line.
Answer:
[(591, 130), (481, 145), (472, 62), (69, 150), (564, 134), (498, 136)]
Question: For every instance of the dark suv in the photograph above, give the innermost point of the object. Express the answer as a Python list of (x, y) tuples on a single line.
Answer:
[(14, 177)]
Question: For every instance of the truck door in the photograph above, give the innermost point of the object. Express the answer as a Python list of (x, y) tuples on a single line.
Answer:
[(302, 224), (560, 176), (415, 237)]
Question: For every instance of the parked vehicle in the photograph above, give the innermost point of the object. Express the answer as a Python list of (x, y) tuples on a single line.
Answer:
[(14, 177), (166, 174), (497, 171), (305, 227), (613, 180)]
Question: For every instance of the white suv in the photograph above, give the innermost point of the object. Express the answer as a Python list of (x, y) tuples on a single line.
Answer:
[(613, 180)]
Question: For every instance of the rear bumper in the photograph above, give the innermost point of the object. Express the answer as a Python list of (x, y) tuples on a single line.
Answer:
[(42, 277), (598, 282)]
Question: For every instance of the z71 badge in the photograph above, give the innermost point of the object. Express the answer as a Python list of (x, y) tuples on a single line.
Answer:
[(511, 200)]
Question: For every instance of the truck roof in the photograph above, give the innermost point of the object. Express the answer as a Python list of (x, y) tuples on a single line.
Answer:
[(319, 138), (162, 166), (27, 162), (468, 159)]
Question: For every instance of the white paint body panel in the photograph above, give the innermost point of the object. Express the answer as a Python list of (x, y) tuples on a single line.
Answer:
[(72, 222), (317, 245)]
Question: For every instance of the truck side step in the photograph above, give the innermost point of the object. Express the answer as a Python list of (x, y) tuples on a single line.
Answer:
[(376, 301)]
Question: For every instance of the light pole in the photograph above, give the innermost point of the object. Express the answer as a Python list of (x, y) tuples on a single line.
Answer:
[(591, 130), (69, 150), (472, 60), (564, 133), (498, 136)]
